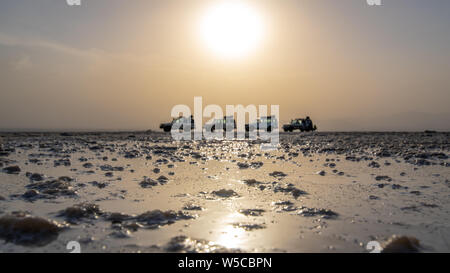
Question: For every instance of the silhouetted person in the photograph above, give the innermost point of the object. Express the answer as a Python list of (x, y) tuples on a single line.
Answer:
[(308, 123)]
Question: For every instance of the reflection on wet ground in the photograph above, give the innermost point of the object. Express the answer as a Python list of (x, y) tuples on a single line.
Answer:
[(143, 192)]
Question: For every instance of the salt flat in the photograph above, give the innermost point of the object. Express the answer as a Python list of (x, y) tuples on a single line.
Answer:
[(144, 192)]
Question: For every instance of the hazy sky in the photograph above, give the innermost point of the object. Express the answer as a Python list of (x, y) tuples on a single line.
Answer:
[(123, 64)]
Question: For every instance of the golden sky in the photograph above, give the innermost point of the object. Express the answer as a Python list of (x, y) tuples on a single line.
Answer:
[(124, 64)]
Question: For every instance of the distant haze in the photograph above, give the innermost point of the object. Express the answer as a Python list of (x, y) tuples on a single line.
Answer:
[(123, 65)]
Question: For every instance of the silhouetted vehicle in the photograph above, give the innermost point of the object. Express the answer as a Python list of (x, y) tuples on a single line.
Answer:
[(264, 123), (167, 127), (227, 123), (304, 125)]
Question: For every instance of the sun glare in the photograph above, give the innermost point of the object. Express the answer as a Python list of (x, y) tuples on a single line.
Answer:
[(232, 29)]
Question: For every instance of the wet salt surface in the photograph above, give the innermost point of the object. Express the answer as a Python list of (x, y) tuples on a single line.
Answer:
[(143, 192)]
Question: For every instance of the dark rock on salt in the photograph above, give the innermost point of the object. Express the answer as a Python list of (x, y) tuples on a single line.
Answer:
[(252, 212), (23, 229), (383, 177), (133, 226), (192, 207), (88, 165), (95, 148), (352, 158), (62, 162), (121, 233), (429, 205), (297, 192), (398, 187), (322, 173), (324, 213), (99, 185), (132, 154), (420, 162), (82, 210), (411, 208), (277, 174), (242, 165), (185, 244), (290, 188), (383, 153), (249, 227), (36, 177), (283, 203), (65, 179), (162, 179), (374, 164), (53, 188), (109, 168), (225, 193), (156, 218), (12, 170), (30, 194), (404, 244), (162, 161), (118, 217), (256, 165), (252, 182), (148, 182)]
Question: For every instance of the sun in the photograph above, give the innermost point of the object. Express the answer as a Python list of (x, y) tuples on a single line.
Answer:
[(232, 29)]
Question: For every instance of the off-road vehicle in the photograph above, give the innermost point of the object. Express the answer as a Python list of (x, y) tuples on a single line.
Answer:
[(268, 123), (227, 123), (304, 125), (167, 127)]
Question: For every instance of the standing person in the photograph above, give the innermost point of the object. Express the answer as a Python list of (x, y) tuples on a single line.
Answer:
[(308, 123)]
